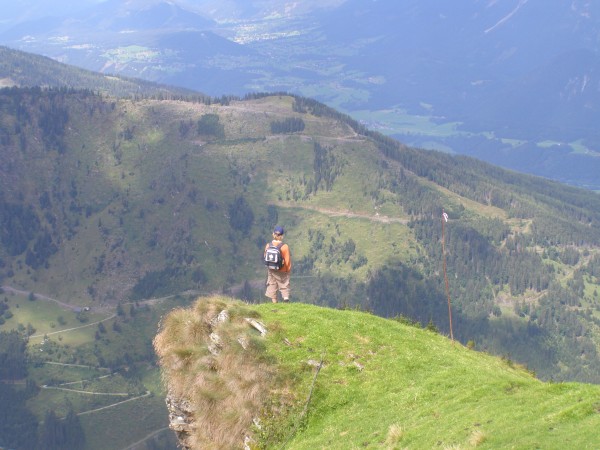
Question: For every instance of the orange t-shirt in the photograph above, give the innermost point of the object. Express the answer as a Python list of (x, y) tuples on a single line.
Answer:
[(285, 254)]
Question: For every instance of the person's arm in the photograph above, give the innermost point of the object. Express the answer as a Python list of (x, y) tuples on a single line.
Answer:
[(287, 258)]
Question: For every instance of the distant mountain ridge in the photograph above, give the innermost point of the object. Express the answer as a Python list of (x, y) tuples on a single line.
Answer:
[(121, 16), (521, 74), (20, 69), (455, 56)]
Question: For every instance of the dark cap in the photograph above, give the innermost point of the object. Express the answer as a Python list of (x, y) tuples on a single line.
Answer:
[(278, 230)]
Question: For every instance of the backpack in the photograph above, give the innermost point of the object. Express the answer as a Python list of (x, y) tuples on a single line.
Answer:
[(273, 258)]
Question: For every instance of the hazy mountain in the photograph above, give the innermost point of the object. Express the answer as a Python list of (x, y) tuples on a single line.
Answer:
[(157, 41), (22, 11), (460, 58), (522, 74), (20, 69), (522, 70)]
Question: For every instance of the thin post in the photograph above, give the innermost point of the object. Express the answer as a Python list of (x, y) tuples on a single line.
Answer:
[(444, 220)]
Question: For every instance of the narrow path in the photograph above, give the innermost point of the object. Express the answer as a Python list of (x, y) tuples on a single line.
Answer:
[(74, 328), (78, 308), (85, 381), (41, 297), (145, 438), (83, 366), (147, 394), (79, 391), (337, 213), (75, 308)]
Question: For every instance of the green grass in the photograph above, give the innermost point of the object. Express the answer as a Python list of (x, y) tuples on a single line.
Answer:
[(388, 385)]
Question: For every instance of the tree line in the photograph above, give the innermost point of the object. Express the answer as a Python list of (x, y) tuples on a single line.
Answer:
[(287, 125)]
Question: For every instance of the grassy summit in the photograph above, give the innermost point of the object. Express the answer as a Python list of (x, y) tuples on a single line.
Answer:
[(382, 384)]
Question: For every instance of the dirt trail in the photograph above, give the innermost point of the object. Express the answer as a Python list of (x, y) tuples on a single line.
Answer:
[(145, 438), (337, 213), (74, 328), (41, 297), (79, 391), (147, 394)]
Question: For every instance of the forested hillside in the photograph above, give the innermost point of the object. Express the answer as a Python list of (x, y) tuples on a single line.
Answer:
[(105, 200)]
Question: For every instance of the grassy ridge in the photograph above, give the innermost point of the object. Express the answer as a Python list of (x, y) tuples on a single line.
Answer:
[(388, 385)]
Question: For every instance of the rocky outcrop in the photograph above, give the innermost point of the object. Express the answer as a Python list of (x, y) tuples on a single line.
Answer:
[(180, 419), (212, 351)]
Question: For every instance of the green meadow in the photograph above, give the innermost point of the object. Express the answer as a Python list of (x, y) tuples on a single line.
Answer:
[(384, 384)]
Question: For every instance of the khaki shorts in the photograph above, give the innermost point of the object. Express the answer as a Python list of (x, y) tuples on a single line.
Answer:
[(278, 281)]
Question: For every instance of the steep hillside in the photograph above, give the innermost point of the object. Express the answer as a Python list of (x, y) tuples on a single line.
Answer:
[(320, 378), (106, 200)]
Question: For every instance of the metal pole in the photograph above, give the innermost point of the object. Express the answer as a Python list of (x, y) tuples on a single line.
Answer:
[(444, 220)]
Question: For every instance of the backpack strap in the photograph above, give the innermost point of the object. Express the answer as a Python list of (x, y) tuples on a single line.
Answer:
[(278, 246)]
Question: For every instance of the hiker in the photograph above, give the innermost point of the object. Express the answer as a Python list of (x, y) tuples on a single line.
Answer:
[(279, 263)]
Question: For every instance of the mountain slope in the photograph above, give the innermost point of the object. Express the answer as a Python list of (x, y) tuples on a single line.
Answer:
[(105, 200), (158, 41), (449, 61), (22, 69), (480, 50), (512, 83), (348, 379)]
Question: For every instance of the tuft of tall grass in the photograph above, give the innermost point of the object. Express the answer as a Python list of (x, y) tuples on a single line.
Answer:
[(394, 436), (477, 438)]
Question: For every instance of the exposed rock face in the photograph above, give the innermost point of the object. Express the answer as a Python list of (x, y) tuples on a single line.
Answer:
[(181, 412), (180, 419)]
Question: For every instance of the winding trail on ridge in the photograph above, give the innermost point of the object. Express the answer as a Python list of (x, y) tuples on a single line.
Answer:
[(41, 297), (337, 213)]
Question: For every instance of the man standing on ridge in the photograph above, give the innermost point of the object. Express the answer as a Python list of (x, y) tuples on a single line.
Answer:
[(278, 260)]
